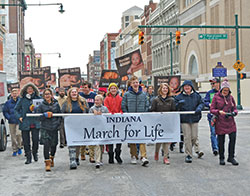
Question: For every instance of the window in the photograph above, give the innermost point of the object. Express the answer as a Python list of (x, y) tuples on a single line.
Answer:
[(215, 44), (126, 18), (229, 20), (126, 24), (113, 44), (136, 17), (193, 68)]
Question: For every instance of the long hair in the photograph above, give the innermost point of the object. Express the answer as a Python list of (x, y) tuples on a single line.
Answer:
[(160, 89), (50, 91), (80, 101)]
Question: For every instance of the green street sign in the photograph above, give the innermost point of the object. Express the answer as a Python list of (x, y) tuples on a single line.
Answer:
[(212, 36)]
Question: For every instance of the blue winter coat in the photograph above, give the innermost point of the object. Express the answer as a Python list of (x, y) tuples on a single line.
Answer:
[(8, 111), (133, 102), (23, 107), (208, 100), (192, 102)]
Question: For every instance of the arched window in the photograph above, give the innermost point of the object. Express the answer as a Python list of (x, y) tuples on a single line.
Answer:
[(193, 66)]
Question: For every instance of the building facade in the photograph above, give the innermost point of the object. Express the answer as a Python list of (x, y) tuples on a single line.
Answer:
[(166, 13), (94, 69), (29, 57)]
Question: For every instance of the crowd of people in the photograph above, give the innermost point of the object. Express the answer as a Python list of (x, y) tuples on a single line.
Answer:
[(137, 99)]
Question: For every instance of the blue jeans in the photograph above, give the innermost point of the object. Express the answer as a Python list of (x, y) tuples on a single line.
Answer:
[(214, 141)]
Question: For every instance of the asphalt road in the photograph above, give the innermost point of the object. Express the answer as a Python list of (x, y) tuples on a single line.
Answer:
[(202, 177)]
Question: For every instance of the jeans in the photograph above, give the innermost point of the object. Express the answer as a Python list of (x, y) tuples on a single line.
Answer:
[(26, 141), (48, 150), (231, 145), (213, 137)]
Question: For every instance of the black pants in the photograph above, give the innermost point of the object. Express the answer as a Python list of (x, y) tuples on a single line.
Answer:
[(231, 145), (26, 141), (48, 150), (117, 149)]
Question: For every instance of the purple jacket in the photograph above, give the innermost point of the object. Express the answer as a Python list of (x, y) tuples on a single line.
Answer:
[(223, 125)]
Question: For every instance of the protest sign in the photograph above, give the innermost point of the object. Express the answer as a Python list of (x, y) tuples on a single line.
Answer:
[(129, 63), (173, 81), (47, 72), (35, 77), (109, 76), (11, 86), (122, 128), (70, 77)]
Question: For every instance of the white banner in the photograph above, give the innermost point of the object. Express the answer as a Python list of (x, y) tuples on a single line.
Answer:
[(122, 128)]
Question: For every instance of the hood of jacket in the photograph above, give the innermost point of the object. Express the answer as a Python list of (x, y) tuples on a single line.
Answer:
[(23, 91), (187, 82)]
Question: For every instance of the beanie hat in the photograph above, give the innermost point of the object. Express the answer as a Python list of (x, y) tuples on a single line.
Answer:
[(112, 84), (225, 84), (103, 89)]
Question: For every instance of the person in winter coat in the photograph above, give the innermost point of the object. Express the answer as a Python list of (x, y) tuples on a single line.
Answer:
[(98, 109), (113, 102), (28, 125), (15, 133), (163, 103), (49, 127), (134, 100), (215, 82), (190, 100), (224, 107), (74, 104)]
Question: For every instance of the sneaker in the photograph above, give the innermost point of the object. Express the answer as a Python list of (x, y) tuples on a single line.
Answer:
[(97, 166), (73, 165), (166, 161), (61, 146), (222, 162), (19, 152), (215, 152), (91, 160), (188, 159), (144, 161), (200, 154), (14, 154), (233, 161), (133, 160), (83, 158)]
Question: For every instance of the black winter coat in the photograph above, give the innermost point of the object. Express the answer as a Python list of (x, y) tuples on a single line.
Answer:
[(50, 124)]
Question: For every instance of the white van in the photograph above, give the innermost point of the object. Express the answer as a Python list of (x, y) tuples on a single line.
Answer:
[(3, 122)]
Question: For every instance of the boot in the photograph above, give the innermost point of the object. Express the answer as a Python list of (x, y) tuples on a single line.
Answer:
[(156, 156), (35, 156), (28, 158), (47, 165), (52, 161), (111, 157), (181, 147), (118, 156)]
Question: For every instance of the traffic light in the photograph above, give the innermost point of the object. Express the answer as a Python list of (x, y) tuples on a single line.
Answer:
[(243, 76), (141, 37), (178, 37)]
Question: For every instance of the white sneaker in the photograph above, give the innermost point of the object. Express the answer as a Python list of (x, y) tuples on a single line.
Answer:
[(133, 160), (144, 161)]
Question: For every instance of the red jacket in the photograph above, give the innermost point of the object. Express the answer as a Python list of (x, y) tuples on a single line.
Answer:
[(223, 125), (113, 103)]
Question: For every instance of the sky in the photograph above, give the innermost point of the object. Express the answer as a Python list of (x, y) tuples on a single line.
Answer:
[(77, 32)]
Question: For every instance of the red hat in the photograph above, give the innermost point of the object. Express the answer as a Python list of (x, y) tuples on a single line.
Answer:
[(215, 80), (103, 89)]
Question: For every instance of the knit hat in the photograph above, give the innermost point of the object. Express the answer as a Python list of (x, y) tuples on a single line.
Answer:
[(103, 89), (225, 84), (112, 84)]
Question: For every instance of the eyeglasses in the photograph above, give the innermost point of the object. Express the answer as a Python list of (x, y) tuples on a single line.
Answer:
[(47, 94)]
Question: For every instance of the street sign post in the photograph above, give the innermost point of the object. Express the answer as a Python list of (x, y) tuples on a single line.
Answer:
[(219, 70), (212, 36)]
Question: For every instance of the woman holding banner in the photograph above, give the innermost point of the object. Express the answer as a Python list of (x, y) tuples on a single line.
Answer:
[(74, 104), (49, 127), (163, 103), (114, 104)]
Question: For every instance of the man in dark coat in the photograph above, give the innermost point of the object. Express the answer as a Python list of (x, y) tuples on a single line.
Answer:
[(190, 100), (8, 112)]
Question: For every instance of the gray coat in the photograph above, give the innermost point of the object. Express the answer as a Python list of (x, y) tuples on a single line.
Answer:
[(133, 102)]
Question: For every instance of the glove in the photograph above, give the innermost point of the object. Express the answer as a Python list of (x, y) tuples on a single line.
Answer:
[(180, 104), (48, 114), (197, 111), (32, 107)]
